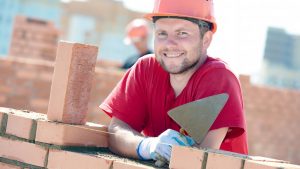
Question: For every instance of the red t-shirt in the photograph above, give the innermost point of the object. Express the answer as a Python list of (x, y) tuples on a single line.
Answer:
[(144, 95)]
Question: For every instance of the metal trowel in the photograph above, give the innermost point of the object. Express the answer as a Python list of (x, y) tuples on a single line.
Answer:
[(197, 117)]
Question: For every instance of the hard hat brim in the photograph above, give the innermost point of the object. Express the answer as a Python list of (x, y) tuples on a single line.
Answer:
[(151, 15)]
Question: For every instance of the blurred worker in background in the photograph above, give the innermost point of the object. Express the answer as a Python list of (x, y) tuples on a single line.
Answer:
[(137, 34)]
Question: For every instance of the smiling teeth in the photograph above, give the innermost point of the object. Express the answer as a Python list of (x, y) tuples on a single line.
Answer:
[(172, 54)]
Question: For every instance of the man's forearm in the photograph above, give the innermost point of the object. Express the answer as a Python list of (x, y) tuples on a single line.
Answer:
[(123, 139), (214, 138)]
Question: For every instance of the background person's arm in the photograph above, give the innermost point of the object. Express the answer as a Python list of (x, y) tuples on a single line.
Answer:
[(124, 140)]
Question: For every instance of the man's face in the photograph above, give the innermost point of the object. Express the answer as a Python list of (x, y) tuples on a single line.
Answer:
[(177, 45)]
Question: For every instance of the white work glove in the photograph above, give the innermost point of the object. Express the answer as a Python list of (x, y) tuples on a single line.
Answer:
[(159, 148)]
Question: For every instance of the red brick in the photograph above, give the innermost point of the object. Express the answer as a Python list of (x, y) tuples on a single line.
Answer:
[(72, 135), (126, 165), (19, 126), (30, 39), (108, 64), (26, 75), (2, 99), (39, 104), (98, 116), (72, 82), (69, 160), (5, 89), (223, 160), (8, 166), (186, 158), (46, 76), (18, 101), (44, 92), (265, 159), (20, 123), (250, 164), (22, 151)]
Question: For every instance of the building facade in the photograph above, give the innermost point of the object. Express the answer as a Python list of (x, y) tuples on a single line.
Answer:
[(281, 67), (40, 9), (101, 23)]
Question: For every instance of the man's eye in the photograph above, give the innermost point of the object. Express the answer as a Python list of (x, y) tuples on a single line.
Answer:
[(161, 34), (182, 34)]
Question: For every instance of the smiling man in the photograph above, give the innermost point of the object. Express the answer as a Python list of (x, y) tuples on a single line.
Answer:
[(179, 72)]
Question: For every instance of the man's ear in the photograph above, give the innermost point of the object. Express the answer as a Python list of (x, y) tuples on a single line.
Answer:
[(207, 38)]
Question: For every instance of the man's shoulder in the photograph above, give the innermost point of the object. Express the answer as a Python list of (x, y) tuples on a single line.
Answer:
[(215, 66), (148, 57), (215, 63), (147, 61)]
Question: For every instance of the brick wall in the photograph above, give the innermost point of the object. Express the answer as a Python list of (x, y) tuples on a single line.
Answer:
[(55, 145), (272, 114), (33, 37), (25, 84), (273, 121)]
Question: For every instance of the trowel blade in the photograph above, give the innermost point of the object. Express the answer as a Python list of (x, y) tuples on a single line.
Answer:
[(197, 117)]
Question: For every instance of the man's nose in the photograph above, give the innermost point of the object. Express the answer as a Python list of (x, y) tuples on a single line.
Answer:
[(171, 41)]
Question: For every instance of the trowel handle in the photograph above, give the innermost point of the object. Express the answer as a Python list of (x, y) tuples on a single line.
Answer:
[(183, 132)]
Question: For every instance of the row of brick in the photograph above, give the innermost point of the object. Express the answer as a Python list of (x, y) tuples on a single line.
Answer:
[(36, 128), (191, 158), (29, 140), (25, 154), (182, 158)]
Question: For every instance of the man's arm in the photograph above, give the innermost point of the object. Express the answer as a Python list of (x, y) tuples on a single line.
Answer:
[(214, 138), (126, 141), (123, 139)]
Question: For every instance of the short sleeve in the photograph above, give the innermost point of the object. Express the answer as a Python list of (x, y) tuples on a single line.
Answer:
[(221, 80), (126, 101)]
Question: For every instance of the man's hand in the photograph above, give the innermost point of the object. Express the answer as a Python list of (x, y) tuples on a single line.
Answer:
[(159, 148)]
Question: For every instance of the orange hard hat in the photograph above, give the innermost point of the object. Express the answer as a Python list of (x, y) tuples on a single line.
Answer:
[(135, 30), (198, 9)]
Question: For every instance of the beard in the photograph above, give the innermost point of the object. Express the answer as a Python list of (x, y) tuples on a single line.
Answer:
[(189, 63), (185, 66)]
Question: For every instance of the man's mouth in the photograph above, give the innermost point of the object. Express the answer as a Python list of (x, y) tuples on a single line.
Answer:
[(173, 54)]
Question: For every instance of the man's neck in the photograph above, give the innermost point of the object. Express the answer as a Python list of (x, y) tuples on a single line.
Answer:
[(179, 81)]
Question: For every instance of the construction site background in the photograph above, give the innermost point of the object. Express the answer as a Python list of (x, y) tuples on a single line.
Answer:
[(26, 73)]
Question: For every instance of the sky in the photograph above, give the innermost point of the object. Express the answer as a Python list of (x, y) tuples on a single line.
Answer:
[(242, 27)]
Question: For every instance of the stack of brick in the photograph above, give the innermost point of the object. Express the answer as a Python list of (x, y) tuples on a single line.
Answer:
[(29, 140), (33, 38), (25, 84), (33, 140)]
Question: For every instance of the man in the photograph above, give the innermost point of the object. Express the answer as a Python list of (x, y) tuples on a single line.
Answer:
[(178, 73), (137, 32)]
